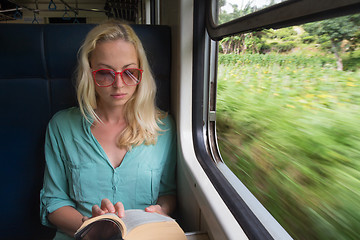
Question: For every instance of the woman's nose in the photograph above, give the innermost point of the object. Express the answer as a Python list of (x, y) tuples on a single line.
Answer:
[(118, 83)]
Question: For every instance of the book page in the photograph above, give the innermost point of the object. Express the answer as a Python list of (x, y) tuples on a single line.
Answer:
[(168, 230), (136, 217)]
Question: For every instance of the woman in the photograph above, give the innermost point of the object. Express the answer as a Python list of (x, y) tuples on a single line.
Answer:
[(116, 150)]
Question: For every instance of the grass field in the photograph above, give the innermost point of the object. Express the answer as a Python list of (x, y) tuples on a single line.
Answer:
[(289, 128)]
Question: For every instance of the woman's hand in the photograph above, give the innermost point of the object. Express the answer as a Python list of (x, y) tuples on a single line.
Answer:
[(107, 207), (156, 208), (165, 205)]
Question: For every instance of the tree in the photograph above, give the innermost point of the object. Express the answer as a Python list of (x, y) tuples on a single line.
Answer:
[(238, 43), (336, 30), (236, 11)]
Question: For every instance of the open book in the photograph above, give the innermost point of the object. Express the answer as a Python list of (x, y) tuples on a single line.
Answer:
[(136, 225)]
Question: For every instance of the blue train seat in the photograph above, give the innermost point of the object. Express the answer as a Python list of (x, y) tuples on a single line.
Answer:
[(37, 64)]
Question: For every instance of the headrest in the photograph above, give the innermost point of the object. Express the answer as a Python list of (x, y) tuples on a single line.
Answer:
[(21, 51), (61, 43), (50, 51)]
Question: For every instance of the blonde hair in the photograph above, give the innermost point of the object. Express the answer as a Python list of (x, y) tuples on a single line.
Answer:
[(141, 115)]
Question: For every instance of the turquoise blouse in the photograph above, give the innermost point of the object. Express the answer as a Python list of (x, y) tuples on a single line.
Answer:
[(79, 174)]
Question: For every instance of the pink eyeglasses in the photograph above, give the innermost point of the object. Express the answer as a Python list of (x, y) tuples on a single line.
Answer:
[(106, 77)]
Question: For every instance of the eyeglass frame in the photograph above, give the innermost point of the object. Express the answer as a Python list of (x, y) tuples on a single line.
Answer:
[(120, 73)]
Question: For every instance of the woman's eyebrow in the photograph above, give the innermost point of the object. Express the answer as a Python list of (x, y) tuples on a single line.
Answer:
[(105, 65), (128, 65), (111, 67)]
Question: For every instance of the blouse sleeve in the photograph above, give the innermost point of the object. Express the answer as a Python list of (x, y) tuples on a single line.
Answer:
[(54, 193), (168, 177)]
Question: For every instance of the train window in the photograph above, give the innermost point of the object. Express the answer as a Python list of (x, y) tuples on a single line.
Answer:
[(281, 14), (286, 114), (282, 114), (232, 9)]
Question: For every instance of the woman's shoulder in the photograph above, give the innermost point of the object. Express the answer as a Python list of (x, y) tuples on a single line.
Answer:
[(167, 122), (67, 116)]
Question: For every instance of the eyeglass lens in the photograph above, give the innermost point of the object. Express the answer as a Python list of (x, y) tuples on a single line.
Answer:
[(106, 77)]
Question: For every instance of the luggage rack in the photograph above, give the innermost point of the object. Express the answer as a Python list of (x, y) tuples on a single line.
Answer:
[(119, 9)]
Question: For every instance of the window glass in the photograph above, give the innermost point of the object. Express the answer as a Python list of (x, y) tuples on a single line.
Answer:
[(231, 9), (287, 119)]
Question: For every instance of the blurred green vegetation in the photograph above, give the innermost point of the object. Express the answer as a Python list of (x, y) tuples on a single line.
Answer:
[(274, 59), (289, 128), (339, 37)]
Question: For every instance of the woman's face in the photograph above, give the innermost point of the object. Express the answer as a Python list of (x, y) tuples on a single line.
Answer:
[(116, 55)]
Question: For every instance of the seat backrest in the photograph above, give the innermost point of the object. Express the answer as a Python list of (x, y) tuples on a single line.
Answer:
[(37, 64)]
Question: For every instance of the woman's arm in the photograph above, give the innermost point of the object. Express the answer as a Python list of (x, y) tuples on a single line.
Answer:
[(67, 219)]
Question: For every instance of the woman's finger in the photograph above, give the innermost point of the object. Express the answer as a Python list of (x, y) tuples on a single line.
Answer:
[(119, 208), (107, 206), (156, 209), (84, 218), (96, 211)]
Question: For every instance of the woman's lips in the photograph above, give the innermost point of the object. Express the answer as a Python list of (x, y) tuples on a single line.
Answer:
[(118, 95)]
